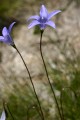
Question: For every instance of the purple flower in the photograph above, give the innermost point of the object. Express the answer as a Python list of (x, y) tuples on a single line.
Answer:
[(43, 19), (6, 38), (3, 116)]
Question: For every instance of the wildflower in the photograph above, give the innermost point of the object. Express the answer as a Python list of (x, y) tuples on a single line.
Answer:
[(3, 116), (6, 38), (43, 19)]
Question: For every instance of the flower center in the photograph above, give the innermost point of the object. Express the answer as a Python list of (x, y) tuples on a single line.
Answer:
[(43, 20)]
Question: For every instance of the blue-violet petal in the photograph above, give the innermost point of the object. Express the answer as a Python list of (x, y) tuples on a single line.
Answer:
[(50, 15), (10, 27), (35, 17), (3, 116), (43, 12), (33, 23), (1, 38), (51, 23), (5, 31)]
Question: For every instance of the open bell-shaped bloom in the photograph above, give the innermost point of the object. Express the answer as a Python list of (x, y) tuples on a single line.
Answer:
[(6, 35), (43, 19), (3, 116)]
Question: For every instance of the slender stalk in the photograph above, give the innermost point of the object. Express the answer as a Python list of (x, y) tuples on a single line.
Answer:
[(5, 106), (42, 116), (10, 112), (48, 76), (61, 106), (62, 96)]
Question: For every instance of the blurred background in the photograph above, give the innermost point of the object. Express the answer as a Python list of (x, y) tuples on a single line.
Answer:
[(61, 49)]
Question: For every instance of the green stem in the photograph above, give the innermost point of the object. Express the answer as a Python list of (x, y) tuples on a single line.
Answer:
[(5, 106), (42, 116), (10, 112), (48, 76)]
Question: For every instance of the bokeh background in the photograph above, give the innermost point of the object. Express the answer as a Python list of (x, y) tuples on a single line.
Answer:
[(61, 49)]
